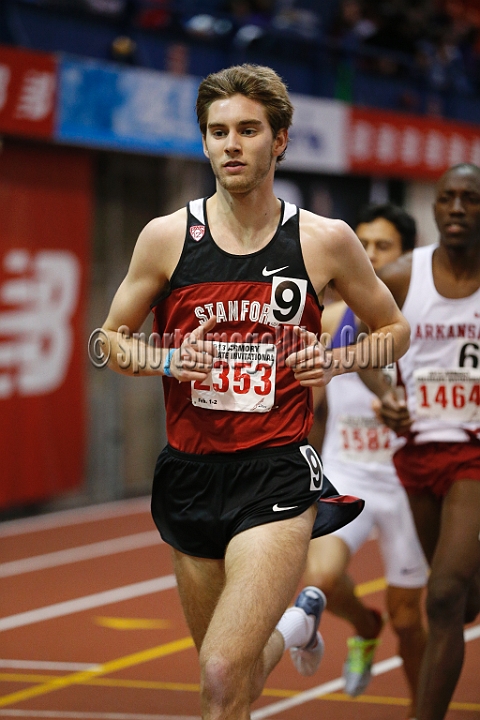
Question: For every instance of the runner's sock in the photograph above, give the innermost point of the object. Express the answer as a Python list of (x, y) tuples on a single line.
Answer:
[(296, 627)]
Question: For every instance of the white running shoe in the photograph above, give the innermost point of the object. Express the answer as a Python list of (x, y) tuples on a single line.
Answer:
[(307, 661), (307, 657)]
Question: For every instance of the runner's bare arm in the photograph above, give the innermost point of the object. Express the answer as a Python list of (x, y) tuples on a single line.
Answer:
[(154, 259), (390, 408), (333, 253)]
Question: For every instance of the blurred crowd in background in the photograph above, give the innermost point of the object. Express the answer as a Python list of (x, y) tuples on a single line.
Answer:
[(434, 44)]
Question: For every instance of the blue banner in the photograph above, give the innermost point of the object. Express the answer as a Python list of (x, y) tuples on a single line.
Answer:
[(102, 105)]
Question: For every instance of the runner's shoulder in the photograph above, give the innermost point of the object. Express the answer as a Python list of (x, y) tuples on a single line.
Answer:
[(159, 247), (165, 229), (329, 230), (330, 236)]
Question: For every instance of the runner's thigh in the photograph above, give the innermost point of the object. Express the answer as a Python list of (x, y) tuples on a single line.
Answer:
[(458, 548), (263, 566)]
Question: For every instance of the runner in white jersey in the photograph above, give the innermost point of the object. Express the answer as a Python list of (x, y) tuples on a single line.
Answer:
[(439, 465), (357, 452)]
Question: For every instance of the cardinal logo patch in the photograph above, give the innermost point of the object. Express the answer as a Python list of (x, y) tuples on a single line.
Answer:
[(197, 232)]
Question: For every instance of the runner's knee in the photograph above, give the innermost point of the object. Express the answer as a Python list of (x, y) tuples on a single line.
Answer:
[(446, 598), (406, 618), (221, 678), (326, 562)]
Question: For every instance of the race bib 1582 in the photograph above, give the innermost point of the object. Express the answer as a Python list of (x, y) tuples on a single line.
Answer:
[(364, 439)]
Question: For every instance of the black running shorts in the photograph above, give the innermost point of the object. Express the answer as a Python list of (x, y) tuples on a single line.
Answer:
[(199, 502)]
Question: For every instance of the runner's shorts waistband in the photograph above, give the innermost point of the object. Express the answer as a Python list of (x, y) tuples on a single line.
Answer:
[(240, 455)]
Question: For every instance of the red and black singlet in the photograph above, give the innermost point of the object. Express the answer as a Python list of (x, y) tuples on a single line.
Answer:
[(251, 399)]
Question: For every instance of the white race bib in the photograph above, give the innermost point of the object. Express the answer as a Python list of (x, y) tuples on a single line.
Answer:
[(449, 395), (364, 439), (242, 379)]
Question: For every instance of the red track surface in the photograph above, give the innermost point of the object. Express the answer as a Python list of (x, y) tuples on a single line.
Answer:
[(94, 588)]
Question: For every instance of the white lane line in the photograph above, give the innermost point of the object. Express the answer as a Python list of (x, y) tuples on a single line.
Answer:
[(46, 665), (472, 633), (320, 690), (300, 699), (82, 552), (87, 602), (335, 685), (76, 516), (59, 715)]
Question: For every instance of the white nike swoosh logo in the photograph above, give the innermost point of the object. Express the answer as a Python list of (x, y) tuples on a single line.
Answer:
[(266, 272), (276, 507)]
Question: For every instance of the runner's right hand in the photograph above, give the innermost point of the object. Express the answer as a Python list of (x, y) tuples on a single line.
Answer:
[(193, 360), (393, 412)]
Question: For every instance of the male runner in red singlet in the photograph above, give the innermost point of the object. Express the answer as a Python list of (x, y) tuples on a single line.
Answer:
[(238, 491), (438, 288)]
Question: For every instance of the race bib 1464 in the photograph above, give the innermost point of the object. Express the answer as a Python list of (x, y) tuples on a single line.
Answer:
[(449, 395)]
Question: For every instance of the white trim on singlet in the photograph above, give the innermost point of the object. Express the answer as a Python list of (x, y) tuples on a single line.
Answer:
[(289, 211), (196, 209)]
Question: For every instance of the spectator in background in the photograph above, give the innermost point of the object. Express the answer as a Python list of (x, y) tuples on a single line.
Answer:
[(350, 30), (251, 19), (123, 50), (299, 19), (442, 63), (399, 28), (352, 26), (109, 8), (154, 14)]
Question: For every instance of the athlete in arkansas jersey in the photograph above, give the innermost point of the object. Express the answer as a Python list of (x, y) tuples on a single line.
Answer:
[(441, 372), (438, 288), (232, 280)]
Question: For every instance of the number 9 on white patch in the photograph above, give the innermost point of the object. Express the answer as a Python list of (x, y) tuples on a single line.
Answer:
[(287, 301), (315, 465)]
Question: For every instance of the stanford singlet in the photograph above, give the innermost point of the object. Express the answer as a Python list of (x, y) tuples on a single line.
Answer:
[(441, 370), (250, 399)]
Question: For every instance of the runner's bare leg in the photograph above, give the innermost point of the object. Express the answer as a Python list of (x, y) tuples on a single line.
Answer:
[(232, 610), (455, 568)]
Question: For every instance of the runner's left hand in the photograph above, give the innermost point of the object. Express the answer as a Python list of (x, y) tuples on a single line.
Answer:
[(311, 365)]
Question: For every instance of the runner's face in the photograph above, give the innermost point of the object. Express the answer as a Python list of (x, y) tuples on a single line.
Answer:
[(381, 240), (240, 145), (457, 209)]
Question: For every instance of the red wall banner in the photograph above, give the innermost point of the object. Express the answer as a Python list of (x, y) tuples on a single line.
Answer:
[(408, 146), (45, 205), (28, 82)]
